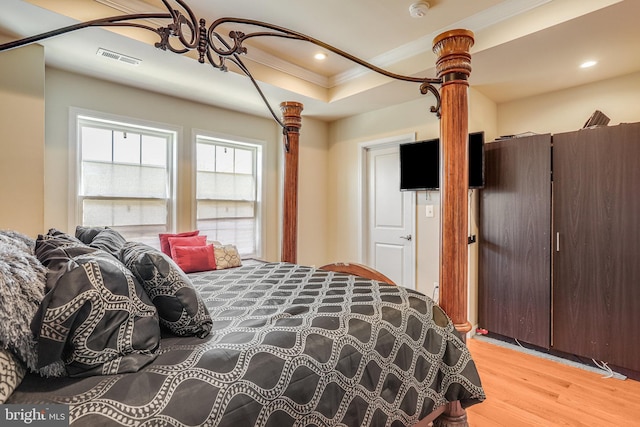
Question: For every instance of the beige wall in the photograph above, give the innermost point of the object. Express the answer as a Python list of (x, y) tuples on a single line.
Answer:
[(410, 117), (328, 187), (555, 112), (568, 110), (34, 166), (313, 195), (65, 90), (22, 109), (483, 116), (345, 137)]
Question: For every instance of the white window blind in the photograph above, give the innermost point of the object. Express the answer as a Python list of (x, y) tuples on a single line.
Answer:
[(227, 190), (125, 177)]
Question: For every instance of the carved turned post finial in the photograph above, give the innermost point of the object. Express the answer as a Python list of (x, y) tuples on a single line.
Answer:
[(454, 67), (452, 49), (291, 115)]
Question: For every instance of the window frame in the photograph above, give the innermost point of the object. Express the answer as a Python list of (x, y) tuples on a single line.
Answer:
[(130, 124), (227, 139)]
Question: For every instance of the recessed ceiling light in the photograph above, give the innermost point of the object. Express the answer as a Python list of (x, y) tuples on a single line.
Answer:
[(320, 56), (588, 64)]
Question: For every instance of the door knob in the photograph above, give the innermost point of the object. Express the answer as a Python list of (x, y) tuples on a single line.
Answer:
[(407, 237)]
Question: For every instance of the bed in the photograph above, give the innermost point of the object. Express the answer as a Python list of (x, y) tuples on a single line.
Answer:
[(289, 344)]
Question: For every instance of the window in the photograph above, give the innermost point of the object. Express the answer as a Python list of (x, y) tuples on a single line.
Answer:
[(125, 177), (228, 186)]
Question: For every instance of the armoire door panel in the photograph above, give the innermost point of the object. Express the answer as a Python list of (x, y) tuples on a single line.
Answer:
[(596, 263), (515, 225)]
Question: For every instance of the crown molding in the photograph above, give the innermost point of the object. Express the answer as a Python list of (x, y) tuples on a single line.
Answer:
[(256, 55), (475, 23), (134, 7), (479, 21), (272, 61)]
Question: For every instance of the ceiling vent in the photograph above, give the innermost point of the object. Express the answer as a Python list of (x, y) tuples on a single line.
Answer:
[(104, 53)]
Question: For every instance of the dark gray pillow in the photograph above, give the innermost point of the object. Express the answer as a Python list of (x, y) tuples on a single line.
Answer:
[(54, 232), (96, 316), (110, 241), (87, 234), (179, 305), (56, 244)]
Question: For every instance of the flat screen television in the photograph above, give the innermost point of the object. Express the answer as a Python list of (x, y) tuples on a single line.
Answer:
[(420, 163)]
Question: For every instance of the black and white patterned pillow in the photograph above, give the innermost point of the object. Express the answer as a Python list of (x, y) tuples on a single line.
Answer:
[(179, 305), (11, 374), (96, 317), (87, 234), (105, 238), (110, 241), (56, 247)]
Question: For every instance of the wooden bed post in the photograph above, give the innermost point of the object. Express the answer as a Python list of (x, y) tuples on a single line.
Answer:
[(454, 67), (291, 114)]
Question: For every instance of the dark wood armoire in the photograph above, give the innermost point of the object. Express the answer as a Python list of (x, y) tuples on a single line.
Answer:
[(515, 226), (559, 259)]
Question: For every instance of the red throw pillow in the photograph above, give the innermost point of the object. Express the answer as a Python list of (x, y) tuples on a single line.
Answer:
[(186, 241), (192, 259), (164, 239)]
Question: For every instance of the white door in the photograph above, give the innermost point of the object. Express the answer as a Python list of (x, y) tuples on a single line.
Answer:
[(390, 239)]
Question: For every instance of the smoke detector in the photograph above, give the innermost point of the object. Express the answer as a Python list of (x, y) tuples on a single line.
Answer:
[(418, 9)]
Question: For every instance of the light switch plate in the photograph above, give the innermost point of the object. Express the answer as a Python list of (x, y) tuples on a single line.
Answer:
[(429, 211)]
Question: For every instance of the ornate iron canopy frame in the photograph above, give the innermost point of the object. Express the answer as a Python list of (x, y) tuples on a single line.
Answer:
[(186, 33)]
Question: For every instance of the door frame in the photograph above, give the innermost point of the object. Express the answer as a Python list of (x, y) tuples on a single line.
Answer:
[(363, 235)]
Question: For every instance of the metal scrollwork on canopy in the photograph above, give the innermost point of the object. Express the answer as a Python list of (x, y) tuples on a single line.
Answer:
[(187, 33)]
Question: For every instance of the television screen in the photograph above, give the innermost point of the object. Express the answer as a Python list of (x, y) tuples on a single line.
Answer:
[(476, 160), (420, 163)]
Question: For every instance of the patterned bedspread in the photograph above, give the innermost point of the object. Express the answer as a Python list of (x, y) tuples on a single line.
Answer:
[(290, 346)]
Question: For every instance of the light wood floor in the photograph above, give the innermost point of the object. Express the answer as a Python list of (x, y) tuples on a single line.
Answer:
[(525, 390)]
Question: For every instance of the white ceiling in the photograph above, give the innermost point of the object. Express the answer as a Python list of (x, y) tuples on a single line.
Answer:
[(523, 48)]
